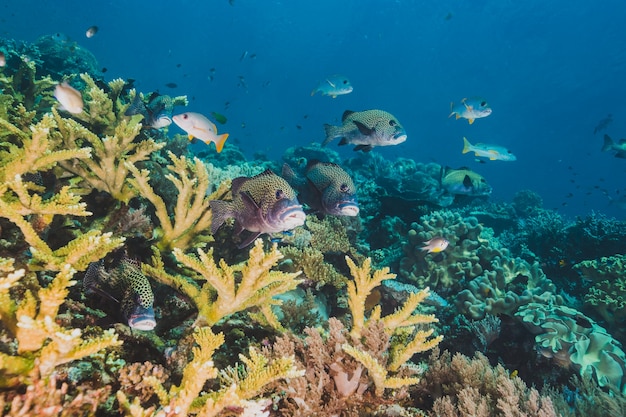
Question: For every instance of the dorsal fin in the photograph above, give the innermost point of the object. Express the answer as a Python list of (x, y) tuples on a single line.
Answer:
[(346, 114)]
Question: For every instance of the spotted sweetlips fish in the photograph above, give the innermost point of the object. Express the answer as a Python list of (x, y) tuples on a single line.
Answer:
[(366, 129), (464, 181), (326, 188), (127, 285), (265, 203)]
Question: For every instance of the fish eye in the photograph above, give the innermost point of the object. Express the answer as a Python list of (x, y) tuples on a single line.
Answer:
[(279, 194), (185, 116), (392, 123), (343, 188), (483, 103), (345, 81)]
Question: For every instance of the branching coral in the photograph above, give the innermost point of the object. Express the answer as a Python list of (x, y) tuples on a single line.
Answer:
[(192, 214), (228, 289), (42, 344)]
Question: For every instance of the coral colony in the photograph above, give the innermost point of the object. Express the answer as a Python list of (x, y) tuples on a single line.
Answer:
[(116, 298)]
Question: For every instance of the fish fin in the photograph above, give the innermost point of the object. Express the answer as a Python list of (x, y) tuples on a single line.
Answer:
[(608, 143), (288, 173), (493, 158), (249, 203), (458, 116), (251, 238), (236, 184), (466, 145), (343, 141), (219, 144), (363, 129), (467, 181), (313, 92), (330, 83), (334, 95), (345, 114), (332, 132), (470, 121), (190, 136), (621, 154), (221, 210), (364, 148)]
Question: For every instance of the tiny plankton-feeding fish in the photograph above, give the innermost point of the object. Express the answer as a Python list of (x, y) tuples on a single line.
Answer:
[(91, 32), (435, 245), (69, 98)]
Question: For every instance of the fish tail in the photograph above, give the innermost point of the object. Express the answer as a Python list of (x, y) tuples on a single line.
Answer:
[(332, 132), (451, 109), (608, 143), (466, 145), (221, 210), (313, 92), (219, 144)]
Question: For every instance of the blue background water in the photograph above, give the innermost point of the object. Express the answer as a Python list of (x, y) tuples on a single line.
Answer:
[(550, 71)]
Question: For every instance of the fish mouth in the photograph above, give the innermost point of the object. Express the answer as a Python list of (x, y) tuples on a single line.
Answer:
[(292, 217), (348, 209), (142, 319)]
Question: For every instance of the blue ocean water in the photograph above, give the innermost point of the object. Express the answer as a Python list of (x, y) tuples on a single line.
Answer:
[(550, 71)]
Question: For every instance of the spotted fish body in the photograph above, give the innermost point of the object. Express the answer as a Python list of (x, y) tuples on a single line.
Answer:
[(464, 182), (129, 286), (366, 129), (326, 188), (265, 203)]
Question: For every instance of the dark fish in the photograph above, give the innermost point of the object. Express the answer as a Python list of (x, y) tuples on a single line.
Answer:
[(326, 188), (156, 114), (603, 124), (219, 118), (366, 129), (127, 285), (463, 182), (265, 203), (171, 85)]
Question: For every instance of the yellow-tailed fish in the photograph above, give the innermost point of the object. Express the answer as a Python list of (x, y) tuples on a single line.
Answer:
[(198, 126), (485, 150), (333, 86), (471, 109), (69, 98), (435, 245)]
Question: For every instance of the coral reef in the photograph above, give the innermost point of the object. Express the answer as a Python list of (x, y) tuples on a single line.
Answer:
[(573, 339)]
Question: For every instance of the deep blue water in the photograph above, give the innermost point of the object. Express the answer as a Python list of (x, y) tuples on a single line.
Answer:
[(550, 71)]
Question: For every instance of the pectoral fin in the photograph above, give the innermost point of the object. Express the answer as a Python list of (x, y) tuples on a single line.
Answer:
[(363, 129)]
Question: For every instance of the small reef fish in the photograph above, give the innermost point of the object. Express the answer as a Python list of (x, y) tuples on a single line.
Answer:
[(471, 109), (157, 114), (3, 59), (198, 126), (265, 203), (69, 98), (219, 118), (485, 150), (464, 182), (127, 285), (91, 32), (326, 188), (603, 124), (435, 245), (335, 85), (611, 145), (366, 129)]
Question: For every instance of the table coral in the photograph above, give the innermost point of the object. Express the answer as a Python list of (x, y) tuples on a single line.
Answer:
[(573, 339)]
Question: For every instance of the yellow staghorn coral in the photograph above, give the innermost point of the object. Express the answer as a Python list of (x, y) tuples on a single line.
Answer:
[(42, 344), (191, 214), (228, 289), (238, 386), (107, 170)]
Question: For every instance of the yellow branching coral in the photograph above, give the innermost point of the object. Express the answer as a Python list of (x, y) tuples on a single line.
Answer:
[(191, 214), (238, 386), (400, 324), (107, 170), (228, 289), (32, 322)]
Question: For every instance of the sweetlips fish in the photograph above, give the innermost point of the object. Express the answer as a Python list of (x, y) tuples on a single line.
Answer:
[(265, 203), (611, 145), (326, 188), (463, 181), (334, 85), (69, 98), (470, 109), (156, 114), (127, 285), (485, 150), (198, 126), (366, 129)]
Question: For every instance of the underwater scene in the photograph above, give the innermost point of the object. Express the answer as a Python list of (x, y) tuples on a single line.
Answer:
[(326, 209)]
